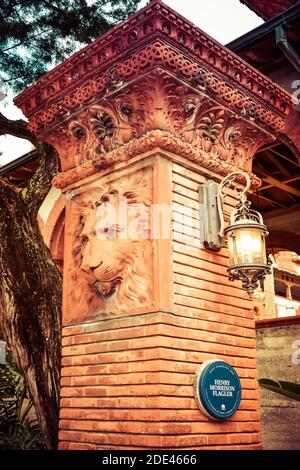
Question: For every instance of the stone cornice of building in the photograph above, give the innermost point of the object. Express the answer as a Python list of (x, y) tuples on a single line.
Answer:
[(152, 141), (130, 48)]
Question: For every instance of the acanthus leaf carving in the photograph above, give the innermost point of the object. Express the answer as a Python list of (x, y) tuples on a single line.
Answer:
[(160, 101), (148, 142), (160, 55)]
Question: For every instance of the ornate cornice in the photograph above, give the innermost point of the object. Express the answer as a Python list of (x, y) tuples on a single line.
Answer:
[(161, 56), (158, 100), (153, 140), (131, 47), (155, 71)]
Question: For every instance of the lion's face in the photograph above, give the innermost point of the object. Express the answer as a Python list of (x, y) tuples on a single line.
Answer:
[(112, 252), (108, 237)]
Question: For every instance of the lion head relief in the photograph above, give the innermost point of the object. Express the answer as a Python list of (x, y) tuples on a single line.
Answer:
[(110, 267)]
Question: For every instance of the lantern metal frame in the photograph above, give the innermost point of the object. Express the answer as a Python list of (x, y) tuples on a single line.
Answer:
[(242, 217)]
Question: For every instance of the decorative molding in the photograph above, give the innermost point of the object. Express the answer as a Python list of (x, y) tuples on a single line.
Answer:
[(155, 35), (158, 101), (163, 56), (156, 71), (150, 141)]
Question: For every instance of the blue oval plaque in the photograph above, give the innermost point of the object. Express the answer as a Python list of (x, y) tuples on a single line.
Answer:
[(217, 389)]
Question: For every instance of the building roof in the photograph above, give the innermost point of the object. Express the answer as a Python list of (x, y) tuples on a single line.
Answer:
[(268, 8), (275, 163), (20, 170), (258, 47)]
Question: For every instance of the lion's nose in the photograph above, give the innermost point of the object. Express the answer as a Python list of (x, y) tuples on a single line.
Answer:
[(90, 263)]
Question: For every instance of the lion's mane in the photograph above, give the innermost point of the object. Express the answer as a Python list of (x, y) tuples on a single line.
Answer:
[(135, 256)]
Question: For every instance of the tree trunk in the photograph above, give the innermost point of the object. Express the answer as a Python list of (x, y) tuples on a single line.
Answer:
[(30, 300)]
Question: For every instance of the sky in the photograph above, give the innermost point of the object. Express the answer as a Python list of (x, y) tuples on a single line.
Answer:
[(224, 20)]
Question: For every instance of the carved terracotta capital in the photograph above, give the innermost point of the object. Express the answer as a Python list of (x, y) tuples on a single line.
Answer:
[(155, 71), (152, 140)]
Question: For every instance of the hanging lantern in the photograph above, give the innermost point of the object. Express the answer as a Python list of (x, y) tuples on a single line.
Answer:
[(245, 234)]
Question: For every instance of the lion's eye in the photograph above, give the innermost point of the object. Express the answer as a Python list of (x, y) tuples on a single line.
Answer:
[(109, 232), (83, 239), (76, 250)]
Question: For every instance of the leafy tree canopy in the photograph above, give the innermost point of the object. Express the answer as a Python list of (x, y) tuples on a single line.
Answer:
[(36, 35)]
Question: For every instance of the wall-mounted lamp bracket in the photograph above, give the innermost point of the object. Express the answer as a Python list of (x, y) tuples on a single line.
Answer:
[(245, 233), (210, 223)]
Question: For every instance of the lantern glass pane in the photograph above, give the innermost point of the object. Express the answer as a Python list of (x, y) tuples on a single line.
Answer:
[(246, 246)]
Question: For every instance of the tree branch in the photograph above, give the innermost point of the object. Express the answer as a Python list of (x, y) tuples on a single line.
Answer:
[(51, 6), (25, 40), (40, 183), (17, 128)]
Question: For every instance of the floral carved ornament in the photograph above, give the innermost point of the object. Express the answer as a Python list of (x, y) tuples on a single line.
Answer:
[(159, 102)]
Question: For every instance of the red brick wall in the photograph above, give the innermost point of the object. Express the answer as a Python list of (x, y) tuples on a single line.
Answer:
[(214, 318), (127, 383)]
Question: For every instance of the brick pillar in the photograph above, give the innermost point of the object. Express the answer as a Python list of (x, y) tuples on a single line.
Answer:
[(145, 114), (128, 371), (264, 301), (269, 301)]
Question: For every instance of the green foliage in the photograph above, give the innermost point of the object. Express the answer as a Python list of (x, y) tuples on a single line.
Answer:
[(9, 378), (288, 389), (36, 35), (18, 426)]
